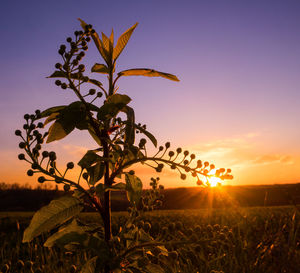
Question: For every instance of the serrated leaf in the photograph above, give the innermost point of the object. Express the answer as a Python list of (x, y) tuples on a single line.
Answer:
[(70, 234), (96, 172), (122, 41), (51, 110), (134, 188), (50, 118), (88, 159), (147, 73), (100, 68), (129, 130), (58, 131), (118, 186), (48, 217), (118, 98)]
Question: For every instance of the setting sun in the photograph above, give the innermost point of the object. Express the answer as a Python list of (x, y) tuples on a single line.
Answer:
[(214, 181)]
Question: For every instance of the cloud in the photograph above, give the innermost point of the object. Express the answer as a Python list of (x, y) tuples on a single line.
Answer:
[(272, 159)]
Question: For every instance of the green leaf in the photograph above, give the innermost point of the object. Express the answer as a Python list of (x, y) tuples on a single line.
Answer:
[(72, 233), (134, 187), (52, 117), (48, 217), (109, 110), (95, 172), (118, 187), (89, 159), (118, 98), (147, 73), (100, 68), (59, 130), (90, 266), (129, 130), (122, 41), (52, 110)]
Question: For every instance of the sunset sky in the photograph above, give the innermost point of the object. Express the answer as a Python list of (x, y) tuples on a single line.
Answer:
[(237, 102)]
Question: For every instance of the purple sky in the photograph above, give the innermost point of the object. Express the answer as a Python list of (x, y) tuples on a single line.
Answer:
[(237, 103)]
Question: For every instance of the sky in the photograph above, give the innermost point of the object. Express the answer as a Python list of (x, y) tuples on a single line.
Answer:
[(237, 102)]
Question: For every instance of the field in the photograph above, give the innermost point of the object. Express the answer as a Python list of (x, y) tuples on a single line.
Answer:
[(259, 239)]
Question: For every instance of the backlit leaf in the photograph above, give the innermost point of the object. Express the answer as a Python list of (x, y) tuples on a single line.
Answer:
[(48, 217), (118, 98), (89, 266), (100, 68), (95, 172), (52, 117), (88, 159), (134, 187), (58, 131), (122, 41), (52, 110), (147, 73)]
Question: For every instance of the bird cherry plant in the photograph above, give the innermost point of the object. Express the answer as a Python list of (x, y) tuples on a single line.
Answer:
[(106, 115)]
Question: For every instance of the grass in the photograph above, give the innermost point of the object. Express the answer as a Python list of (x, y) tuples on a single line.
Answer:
[(260, 239)]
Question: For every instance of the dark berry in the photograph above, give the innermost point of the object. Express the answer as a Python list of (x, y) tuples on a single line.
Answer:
[(58, 82), (26, 116), (21, 156), (92, 92), (58, 66), (70, 165), (18, 133), (40, 125), (41, 179), (52, 171), (22, 145), (81, 68), (64, 86), (99, 94), (88, 39), (167, 145), (52, 156), (30, 172), (69, 39), (25, 126), (66, 187), (34, 166)]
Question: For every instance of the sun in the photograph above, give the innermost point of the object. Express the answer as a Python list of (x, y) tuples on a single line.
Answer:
[(214, 181)]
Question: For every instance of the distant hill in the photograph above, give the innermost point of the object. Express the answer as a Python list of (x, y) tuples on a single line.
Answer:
[(16, 198)]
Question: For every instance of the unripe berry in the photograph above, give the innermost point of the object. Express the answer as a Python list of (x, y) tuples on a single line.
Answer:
[(40, 125), (160, 148), (52, 156), (81, 68), (21, 156), (92, 92), (186, 153), (41, 179), (167, 144), (199, 182), (58, 82), (34, 165), (66, 187), (22, 145), (183, 176), (185, 162), (131, 172), (70, 165), (58, 66), (18, 133), (171, 153), (193, 156), (206, 164), (30, 172)]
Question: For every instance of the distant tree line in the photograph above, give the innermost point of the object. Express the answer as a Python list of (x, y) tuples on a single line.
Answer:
[(15, 197)]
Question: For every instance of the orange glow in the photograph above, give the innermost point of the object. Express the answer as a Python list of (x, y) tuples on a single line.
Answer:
[(214, 181)]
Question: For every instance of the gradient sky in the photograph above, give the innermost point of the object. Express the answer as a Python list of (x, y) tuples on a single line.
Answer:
[(237, 102)]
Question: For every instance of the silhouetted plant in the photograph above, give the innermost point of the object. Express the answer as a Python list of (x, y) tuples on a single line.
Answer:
[(111, 123)]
